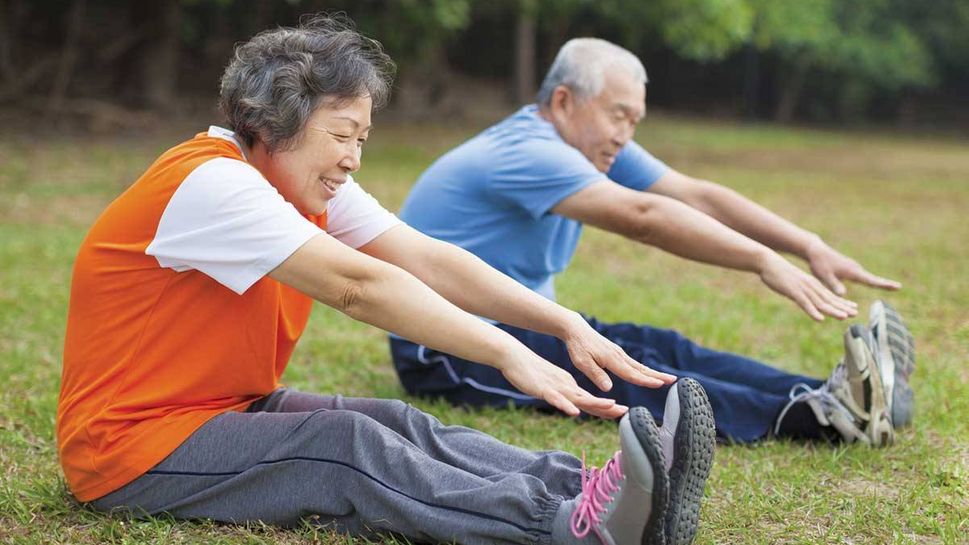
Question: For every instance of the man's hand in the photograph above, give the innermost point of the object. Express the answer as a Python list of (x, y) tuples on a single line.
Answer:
[(805, 290), (593, 354), (831, 267), (543, 380)]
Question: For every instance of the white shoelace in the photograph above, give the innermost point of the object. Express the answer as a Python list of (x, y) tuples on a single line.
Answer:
[(802, 393)]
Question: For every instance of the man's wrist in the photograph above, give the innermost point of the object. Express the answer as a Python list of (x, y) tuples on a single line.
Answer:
[(764, 259), (813, 244)]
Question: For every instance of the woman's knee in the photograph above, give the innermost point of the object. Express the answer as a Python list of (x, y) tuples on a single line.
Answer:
[(339, 427)]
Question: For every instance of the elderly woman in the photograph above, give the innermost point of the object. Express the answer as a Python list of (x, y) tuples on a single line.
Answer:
[(192, 288)]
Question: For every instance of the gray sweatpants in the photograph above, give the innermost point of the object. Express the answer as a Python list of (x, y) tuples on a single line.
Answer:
[(360, 466)]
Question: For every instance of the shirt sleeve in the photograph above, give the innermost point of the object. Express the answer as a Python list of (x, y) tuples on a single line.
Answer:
[(636, 168), (536, 174), (355, 218), (228, 222)]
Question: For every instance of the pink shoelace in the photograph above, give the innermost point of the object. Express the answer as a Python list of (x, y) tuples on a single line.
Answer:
[(598, 486)]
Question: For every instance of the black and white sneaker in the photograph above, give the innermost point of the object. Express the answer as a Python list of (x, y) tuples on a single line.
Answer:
[(893, 347), (852, 401), (688, 440)]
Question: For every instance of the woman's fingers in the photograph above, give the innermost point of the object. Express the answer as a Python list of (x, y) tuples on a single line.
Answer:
[(632, 371), (560, 402), (591, 369)]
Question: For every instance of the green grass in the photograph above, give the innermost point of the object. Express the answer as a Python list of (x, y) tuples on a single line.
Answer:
[(892, 202)]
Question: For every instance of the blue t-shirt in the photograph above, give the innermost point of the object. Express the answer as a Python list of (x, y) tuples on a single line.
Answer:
[(493, 195)]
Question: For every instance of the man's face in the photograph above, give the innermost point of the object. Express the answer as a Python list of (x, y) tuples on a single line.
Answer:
[(600, 126), (327, 151)]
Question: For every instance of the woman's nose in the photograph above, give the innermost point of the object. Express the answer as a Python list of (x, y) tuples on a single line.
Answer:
[(351, 160)]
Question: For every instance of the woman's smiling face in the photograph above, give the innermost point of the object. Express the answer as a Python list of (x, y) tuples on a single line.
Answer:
[(326, 152)]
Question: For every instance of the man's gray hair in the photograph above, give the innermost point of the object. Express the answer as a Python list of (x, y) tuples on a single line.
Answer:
[(581, 66), (277, 79)]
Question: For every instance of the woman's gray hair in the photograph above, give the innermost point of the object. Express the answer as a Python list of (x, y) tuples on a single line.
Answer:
[(581, 66), (276, 80)]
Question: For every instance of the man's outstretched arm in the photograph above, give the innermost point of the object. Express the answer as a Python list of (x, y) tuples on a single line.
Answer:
[(757, 222), (682, 230)]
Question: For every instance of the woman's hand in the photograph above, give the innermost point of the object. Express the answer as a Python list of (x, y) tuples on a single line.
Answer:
[(594, 354), (540, 379)]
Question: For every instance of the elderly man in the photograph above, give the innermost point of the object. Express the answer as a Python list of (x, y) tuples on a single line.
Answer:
[(517, 196)]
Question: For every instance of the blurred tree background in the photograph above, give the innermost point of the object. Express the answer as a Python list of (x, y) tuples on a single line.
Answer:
[(830, 61)]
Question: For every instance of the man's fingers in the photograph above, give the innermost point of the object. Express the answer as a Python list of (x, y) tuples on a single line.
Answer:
[(839, 307), (806, 305), (828, 303), (831, 281), (874, 281), (848, 306), (885, 283), (829, 309), (825, 301)]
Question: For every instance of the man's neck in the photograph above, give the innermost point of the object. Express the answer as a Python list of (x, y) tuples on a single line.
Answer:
[(544, 113)]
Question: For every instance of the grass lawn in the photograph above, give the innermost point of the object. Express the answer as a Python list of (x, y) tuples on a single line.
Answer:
[(892, 202)]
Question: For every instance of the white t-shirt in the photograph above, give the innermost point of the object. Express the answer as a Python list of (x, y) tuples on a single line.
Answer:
[(227, 221)]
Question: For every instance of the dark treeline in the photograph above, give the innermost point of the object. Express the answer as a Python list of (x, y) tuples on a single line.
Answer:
[(900, 61)]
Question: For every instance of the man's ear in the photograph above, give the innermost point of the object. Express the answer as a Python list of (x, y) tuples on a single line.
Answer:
[(562, 101)]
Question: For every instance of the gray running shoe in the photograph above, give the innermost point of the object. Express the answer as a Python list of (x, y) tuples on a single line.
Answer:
[(852, 401), (625, 502), (894, 350), (688, 439)]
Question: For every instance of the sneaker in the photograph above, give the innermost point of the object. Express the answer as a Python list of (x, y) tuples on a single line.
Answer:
[(688, 440), (852, 401), (624, 502), (828, 411), (863, 393), (894, 350)]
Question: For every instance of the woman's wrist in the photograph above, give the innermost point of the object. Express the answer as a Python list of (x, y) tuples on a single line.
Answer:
[(505, 351), (570, 325)]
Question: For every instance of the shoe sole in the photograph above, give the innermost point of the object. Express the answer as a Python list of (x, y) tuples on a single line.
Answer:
[(648, 434), (879, 429), (895, 355), (693, 447)]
